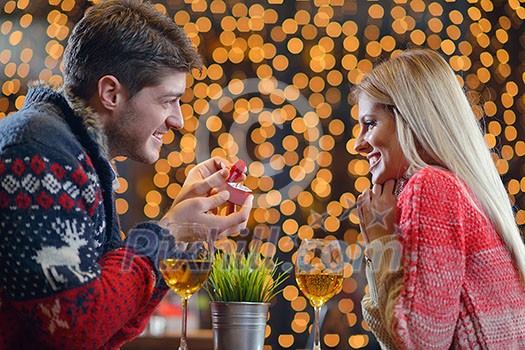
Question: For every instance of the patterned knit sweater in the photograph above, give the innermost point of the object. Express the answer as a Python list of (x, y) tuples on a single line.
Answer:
[(67, 280), (446, 281)]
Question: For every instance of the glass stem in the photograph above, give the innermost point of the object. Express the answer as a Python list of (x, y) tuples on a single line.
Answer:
[(183, 345), (317, 328)]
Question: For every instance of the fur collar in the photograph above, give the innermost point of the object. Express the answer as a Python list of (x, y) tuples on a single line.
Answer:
[(81, 109)]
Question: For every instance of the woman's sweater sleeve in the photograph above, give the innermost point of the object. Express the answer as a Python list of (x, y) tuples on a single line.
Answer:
[(385, 280), (417, 301)]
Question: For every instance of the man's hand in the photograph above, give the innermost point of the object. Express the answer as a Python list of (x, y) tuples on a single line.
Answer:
[(205, 179), (199, 210), (377, 211), (204, 191)]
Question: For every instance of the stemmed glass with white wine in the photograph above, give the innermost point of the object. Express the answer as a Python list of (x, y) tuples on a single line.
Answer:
[(185, 264), (319, 273)]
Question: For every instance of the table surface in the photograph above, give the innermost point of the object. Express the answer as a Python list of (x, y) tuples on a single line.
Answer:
[(197, 340)]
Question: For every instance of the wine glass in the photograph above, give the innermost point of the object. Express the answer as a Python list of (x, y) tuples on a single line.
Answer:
[(185, 263), (319, 275)]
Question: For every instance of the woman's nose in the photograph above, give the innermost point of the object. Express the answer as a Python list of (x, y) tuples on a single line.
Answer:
[(361, 145)]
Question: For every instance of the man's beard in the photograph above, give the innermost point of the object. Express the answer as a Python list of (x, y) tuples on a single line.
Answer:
[(122, 141)]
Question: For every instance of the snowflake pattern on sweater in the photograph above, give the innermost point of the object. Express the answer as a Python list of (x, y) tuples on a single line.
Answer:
[(35, 193)]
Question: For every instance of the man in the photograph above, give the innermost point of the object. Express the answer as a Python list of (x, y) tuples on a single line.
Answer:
[(67, 279)]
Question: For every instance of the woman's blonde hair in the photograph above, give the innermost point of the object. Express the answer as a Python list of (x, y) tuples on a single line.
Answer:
[(436, 125)]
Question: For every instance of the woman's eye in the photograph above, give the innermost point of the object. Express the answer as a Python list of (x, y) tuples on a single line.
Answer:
[(369, 124)]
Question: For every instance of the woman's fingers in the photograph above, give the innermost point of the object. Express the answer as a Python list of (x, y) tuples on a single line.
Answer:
[(388, 186), (377, 189), (376, 210), (363, 202), (364, 197)]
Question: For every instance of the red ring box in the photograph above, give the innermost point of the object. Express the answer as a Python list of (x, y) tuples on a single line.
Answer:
[(238, 192)]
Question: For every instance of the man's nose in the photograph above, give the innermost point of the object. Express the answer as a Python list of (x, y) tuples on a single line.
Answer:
[(175, 120)]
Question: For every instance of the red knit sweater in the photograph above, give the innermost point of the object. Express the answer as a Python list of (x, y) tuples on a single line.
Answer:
[(456, 286)]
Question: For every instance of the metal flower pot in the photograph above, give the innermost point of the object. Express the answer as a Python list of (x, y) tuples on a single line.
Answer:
[(239, 325)]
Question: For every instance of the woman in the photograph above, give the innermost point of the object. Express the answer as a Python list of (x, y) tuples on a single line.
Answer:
[(446, 268)]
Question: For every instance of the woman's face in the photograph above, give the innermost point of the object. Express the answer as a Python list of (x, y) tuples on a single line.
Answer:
[(377, 139)]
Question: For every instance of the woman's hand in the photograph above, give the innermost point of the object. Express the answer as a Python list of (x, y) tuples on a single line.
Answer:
[(377, 211)]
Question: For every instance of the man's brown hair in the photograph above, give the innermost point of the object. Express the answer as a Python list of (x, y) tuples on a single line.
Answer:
[(128, 39)]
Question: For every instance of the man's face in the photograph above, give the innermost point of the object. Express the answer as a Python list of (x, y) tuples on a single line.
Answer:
[(136, 130)]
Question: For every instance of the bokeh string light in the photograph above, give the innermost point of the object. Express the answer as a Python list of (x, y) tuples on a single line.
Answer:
[(318, 49)]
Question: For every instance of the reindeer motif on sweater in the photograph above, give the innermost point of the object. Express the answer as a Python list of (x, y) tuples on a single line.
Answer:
[(67, 256)]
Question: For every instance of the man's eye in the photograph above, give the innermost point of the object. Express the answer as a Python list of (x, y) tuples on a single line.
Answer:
[(169, 103)]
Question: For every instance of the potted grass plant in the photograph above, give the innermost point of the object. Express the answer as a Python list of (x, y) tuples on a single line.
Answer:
[(241, 287)]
